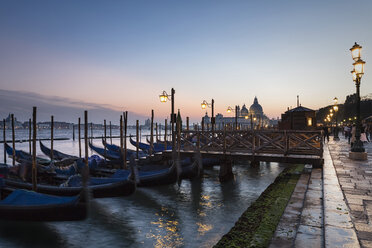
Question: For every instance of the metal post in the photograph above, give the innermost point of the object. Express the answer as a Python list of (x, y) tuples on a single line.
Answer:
[(335, 135), (358, 144)]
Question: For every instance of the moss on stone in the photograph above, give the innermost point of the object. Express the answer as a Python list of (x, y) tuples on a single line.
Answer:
[(257, 224)]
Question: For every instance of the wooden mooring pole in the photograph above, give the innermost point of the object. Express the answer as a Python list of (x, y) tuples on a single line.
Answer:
[(73, 132), (225, 173), (51, 136), (110, 133), (34, 169), (165, 134), (121, 141), (13, 139), (125, 115), (29, 135), (104, 133), (157, 132), (86, 169), (79, 134), (4, 138), (137, 137), (152, 132), (91, 132)]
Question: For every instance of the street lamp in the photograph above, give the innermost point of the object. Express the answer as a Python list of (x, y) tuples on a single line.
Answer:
[(335, 108), (204, 105), (163, 98), (229, 110), (357, 74)]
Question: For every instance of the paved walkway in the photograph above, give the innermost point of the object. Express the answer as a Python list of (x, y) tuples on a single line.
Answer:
[(330, 207), (355, 178)]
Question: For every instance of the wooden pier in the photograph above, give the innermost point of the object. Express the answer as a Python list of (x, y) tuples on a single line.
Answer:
[(305, 147)]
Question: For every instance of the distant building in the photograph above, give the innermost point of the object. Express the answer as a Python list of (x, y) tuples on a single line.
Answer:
[(299, 118), (8, 123), (254, 117)]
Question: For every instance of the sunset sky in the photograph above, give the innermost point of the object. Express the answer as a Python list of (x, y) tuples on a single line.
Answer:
[(123, 54)]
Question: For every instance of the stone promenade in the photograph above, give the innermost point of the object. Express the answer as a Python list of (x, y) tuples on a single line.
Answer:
[(330, 207), (355, 178)]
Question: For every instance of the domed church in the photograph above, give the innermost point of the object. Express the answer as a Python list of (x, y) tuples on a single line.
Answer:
[(256, 109), (254, 117)]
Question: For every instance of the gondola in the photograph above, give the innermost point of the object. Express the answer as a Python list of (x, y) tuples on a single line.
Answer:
[(57, 155), (70, 185), (159, 143), (116, 148), (108, 154), (22, 156), (146, 147), (146, 176), (190, 169), (25, 205)]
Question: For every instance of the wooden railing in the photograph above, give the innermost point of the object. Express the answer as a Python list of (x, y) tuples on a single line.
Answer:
[(254, 142)]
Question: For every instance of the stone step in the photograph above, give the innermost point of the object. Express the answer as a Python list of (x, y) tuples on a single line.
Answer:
[(310, 229), (287, 227)]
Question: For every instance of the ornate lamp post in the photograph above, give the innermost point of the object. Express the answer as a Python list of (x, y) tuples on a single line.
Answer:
[(204, 105), (229, 110), (163, 98), (335, 109), (357, 73)]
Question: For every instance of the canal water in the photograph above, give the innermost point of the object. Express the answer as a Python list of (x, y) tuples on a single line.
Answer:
[(193, 214)]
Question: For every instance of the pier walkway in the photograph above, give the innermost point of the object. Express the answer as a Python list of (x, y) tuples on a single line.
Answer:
[(330, 207), (258, 145)]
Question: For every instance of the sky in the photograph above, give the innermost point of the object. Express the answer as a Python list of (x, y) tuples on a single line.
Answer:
[(123, 54)]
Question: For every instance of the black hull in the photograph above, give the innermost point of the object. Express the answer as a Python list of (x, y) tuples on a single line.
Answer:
[(123, 188), (57, 155), (190, 171), (155, 180), (52, 212), (42, 213), (110, 155)]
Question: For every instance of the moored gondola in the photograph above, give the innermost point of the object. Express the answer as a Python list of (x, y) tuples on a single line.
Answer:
[(25, 205), (24, 156), (71, 184), (130, 152), (57, 155)]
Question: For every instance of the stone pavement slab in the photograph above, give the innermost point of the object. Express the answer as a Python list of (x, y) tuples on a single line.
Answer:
[(356, 185)]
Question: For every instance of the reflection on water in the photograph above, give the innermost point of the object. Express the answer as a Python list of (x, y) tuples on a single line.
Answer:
[(166, 231), (195, 214)]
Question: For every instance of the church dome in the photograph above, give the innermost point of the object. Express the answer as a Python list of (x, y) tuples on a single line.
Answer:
[(256, 108), (244, 111)]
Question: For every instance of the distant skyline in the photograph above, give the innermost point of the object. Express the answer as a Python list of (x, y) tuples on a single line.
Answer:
[(120, 55)]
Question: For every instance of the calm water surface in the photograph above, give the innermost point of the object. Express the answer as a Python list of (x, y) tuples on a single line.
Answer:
[(194, 214)]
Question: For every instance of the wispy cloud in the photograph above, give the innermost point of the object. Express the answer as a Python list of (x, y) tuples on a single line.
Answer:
[(64, 109)]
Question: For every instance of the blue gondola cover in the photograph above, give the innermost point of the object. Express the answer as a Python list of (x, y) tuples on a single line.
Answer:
[(21, 197)]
